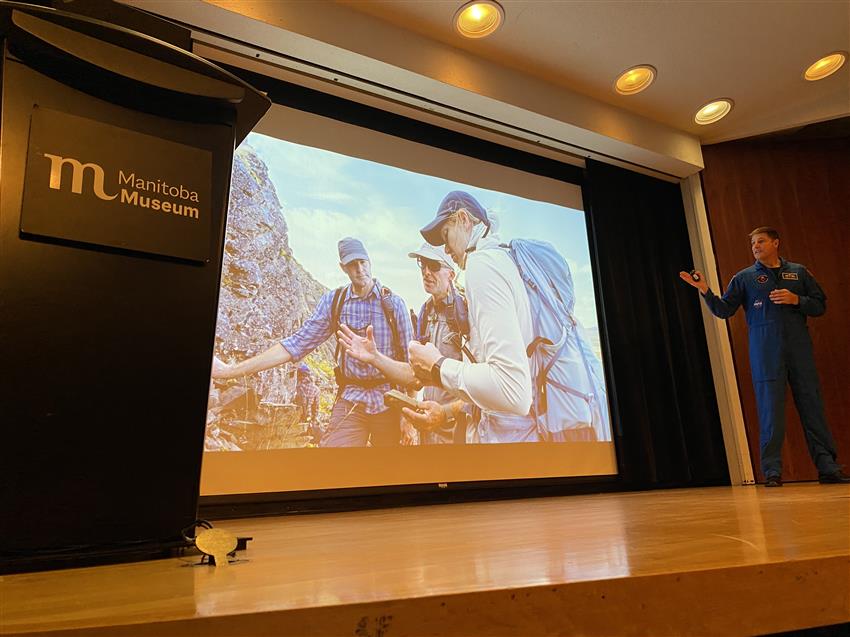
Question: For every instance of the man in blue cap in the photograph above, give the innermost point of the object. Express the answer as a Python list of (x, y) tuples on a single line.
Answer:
[(777, 296), (499, 380), (359, 416)]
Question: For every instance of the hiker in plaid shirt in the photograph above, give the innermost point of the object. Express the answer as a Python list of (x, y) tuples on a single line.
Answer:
[(359, 415), (307, 394), (440, 322), (307, 398)]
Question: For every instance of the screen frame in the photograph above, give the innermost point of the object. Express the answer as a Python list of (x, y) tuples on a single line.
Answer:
[(353, 498)]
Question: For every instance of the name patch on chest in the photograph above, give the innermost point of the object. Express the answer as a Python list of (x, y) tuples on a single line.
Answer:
[(791, 276), (761, 278)]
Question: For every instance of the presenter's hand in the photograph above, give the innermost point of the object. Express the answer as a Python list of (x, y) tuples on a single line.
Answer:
[(700, 285), (430, 415), (784, 297), (422, 357), (362, 348), (221, 370)]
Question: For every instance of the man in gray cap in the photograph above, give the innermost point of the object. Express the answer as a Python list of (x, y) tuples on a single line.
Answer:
[(443, 321), (359, 416), (498, 379)]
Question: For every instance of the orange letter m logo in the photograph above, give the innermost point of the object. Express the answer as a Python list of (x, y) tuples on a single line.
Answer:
[(78, 171)]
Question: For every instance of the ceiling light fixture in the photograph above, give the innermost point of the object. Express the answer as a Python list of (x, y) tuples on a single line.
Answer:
[(825, 66), (478, 18), (635, 79), (713, 111)]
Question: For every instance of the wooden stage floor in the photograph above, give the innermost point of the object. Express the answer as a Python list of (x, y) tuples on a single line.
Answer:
[(716, 561)]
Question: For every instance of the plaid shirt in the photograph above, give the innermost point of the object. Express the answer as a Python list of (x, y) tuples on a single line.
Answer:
[(357, 314)]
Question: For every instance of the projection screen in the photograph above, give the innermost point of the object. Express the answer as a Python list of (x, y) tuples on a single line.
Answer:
[(302, 183)]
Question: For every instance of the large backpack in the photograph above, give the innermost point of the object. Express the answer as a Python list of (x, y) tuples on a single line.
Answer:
[(568, 379)]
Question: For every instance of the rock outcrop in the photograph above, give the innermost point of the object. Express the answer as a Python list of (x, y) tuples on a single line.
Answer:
[(265, 295)]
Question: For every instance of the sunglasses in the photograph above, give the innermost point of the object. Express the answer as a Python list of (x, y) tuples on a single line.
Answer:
[(428, 264)]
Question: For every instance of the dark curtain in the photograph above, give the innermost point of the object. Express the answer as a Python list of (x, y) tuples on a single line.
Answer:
[(667, 426)]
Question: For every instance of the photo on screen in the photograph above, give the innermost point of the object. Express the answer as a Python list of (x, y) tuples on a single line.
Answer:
[(290, 206)]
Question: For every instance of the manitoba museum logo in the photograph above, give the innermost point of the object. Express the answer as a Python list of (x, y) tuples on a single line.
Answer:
[(133, 190)]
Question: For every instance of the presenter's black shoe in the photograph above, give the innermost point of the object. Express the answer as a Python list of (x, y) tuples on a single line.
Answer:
[(773, 481), (839, 477)]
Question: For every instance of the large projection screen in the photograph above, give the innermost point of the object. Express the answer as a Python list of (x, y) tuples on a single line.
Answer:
[(302, 182)]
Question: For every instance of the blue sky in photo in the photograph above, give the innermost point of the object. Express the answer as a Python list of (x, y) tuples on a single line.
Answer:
[(326, 196)]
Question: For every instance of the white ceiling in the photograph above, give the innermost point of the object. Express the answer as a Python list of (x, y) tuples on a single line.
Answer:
[(752, 51)]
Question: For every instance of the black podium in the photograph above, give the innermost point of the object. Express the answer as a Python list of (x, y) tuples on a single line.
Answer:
[(114, 175)]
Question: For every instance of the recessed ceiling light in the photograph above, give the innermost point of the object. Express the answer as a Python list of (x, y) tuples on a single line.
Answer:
[(825, 66), (635, 79), (714, 111), (479, 18)]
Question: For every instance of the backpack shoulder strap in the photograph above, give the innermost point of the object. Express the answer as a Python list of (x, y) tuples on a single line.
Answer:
[(389, 314), (457, 317), (336, 311), (414, 321), (422, 320), (336, 307), (458, 314)]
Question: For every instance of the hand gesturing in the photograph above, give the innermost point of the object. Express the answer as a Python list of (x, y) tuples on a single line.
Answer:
[(700, 285), (363, 348)]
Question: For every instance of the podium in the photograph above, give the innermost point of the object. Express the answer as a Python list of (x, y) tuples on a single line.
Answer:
[(115, 160)]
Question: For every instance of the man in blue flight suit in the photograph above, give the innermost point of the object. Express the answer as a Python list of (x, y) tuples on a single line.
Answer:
[(777, 296)]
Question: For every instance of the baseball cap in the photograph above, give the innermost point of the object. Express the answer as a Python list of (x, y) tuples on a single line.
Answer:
[(450, 204), (427, 251), (351, 249)]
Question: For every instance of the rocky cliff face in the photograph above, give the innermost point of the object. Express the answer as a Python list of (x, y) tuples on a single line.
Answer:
[(265, 296)]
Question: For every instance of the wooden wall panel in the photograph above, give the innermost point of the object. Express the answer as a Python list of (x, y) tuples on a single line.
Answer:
[(802, 188)]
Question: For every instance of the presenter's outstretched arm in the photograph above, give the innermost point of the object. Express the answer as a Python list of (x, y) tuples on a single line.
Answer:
[(699, 284), (272, 357), (722, 307)]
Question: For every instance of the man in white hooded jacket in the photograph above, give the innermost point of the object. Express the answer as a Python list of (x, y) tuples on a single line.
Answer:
[(499, 381)]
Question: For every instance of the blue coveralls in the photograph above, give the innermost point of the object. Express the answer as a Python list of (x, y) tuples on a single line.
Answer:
[(780, 350)]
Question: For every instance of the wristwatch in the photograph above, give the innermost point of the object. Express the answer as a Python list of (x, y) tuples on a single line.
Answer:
[(435, 372)]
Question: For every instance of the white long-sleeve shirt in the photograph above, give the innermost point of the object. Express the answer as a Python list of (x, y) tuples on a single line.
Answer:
[(500, 331)]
